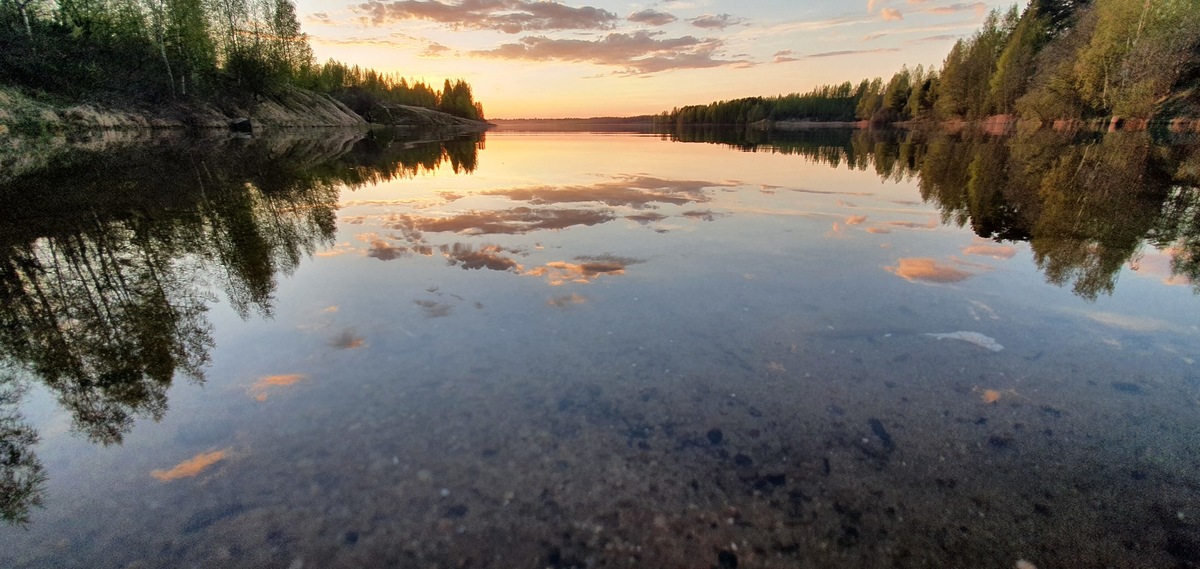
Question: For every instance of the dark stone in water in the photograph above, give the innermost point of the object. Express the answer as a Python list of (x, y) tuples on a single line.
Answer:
[(727, 560), (742, 460), (715, 436), (241, 125), (457, 511), (1137, 475), (1126, 387), (825, 466), (1041, 509), (768, 482), (204, 518), (1000, 441), (1184, 547), (849, 537), (948, 483), (350, 538), (881, 432)]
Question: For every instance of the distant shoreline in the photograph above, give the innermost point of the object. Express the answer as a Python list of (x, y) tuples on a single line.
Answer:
[(998, 125)]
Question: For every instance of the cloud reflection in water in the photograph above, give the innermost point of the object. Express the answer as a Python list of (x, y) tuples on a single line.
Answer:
[(190, 467), (928, 270), (632, 191), (585, 271)]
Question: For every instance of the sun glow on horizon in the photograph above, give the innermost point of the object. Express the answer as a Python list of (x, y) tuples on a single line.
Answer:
[(528, 59)]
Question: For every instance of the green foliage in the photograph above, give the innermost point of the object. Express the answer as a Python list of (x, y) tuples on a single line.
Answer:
[(1059, 59), (1015, 64), (151, 51), (968, 70), (824, 103), (364, 89)]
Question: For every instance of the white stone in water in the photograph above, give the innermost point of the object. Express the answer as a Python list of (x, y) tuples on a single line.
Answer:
[(971, 338), (1023, 564)]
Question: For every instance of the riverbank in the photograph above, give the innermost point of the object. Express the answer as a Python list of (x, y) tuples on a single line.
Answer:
[(22, 115), (999, 124)]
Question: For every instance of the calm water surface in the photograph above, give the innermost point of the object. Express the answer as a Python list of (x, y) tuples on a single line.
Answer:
[(603, 350)]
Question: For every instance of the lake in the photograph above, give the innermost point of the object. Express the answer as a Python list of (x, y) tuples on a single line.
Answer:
[(548, 349)]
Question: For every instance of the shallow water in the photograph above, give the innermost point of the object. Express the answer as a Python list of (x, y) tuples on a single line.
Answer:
[(586, 350)]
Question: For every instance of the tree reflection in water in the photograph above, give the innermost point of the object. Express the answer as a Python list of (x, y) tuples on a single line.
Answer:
[(108, 257), (1087, 204)]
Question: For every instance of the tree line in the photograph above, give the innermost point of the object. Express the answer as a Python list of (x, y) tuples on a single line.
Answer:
[(151, 52), (1056, 59)]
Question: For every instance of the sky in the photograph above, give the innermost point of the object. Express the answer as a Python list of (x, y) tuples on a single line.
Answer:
[(541, 59)]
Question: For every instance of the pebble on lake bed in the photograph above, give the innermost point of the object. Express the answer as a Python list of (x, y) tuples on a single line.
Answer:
[(970, 338), (1023, 564)]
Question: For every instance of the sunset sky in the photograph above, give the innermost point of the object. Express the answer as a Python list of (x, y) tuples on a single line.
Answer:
[(528, 59)]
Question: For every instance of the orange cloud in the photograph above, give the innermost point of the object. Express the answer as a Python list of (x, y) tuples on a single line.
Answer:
[(851, 52), (586, 271), (977, 7), (513, 221), (340, 249), (644, 218), (634, 191), (190, 467), (640, 52), (928, 270), (879, 230), (385, 251), (508, 16), (715, 21), (990, 250), (891, 15), (652, 17), (702, 214), (856, 219), (1160, 264), (485, 257), (933, 223), (260, 387)]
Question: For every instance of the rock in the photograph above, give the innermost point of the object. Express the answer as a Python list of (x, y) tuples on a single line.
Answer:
[(241, 125), (971, 338)]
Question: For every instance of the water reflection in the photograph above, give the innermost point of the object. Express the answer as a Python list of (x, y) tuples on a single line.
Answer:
[(109, 256), (632, 191), (1086, 203), (138, 264)]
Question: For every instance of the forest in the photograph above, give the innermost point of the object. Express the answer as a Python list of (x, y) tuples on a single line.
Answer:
[(147, 53), (1056, 59)]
